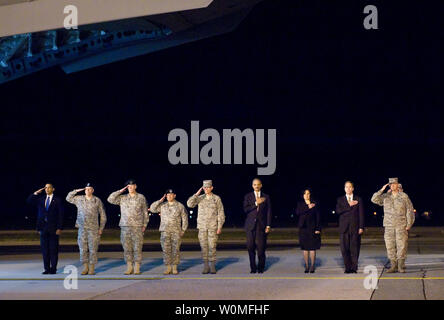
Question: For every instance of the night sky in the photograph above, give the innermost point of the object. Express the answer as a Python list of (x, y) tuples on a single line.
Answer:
[(347, 104)]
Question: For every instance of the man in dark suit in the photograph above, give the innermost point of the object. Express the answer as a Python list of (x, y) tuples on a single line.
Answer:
[(257, 206), (351, 225), (49, 224)]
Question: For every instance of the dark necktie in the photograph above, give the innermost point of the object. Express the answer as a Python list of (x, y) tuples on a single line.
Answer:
[(47, 203)]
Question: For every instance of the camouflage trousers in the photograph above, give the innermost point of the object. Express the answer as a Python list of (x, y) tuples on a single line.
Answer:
[(396, 242), (170, 242), (88, 240), (208, 242), (132, 242)]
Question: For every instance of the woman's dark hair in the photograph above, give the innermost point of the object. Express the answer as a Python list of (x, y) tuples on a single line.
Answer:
[(309, 190)]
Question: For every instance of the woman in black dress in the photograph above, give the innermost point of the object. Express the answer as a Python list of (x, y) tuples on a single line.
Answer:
[(309, 228)]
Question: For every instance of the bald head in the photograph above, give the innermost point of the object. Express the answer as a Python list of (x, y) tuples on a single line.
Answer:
[(257, 184)]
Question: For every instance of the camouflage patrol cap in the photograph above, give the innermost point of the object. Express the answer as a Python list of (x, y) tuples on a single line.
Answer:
[(170, 191), (393, 180), (207, 183)]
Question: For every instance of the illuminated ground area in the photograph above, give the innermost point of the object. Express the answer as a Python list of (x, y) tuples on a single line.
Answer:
[(284, 278)]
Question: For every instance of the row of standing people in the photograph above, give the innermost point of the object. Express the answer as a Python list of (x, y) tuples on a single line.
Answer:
[(134, 219), (211, 217), (398, 220)]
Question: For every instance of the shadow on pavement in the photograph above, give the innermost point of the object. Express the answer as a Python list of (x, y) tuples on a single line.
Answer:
[(271, 261), (222, 263), (381, 260), (189, 263), (112, 264), (151, 265), (339, 261)]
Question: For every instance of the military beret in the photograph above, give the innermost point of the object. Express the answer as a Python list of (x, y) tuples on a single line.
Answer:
[(393, 180), (207, 183), (170, 191), (88, 185), (130, 181)]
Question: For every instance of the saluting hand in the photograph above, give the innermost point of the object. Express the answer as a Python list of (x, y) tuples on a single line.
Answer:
[(385, 186), (39, 191), (78, 190), (123, 189), (199, 191), (163, 198)]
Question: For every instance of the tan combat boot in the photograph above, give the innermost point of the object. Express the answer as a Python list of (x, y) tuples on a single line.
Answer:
[(393, 267), (137, 268), (175, 269), (91, 270), (167, 270), (206, 268), (85, 269), (129, 268), (401, 265), (212, 267)]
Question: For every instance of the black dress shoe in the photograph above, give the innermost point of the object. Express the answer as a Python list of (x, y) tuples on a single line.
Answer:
[(353, 271), (45, 272), (306, 270), (347, 271), (260, 271), (253, 271), (53, 272)]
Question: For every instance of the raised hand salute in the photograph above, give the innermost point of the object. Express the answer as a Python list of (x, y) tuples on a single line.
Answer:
[(198, 191), (39, 191)]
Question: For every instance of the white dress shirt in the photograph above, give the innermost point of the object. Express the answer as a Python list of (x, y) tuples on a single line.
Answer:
[(257, 194), (50, 199)]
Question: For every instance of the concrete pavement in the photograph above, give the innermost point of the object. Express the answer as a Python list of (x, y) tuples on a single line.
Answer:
[(21, 278)]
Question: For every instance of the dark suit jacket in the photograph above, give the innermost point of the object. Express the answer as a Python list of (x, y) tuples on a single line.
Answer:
[(308, 217), (52, 219), (350, 218), (263, 216)]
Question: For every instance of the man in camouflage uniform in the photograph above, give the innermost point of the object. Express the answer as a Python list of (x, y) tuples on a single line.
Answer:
[(210, 220), (398, 219), (173, 224), (133, 221), (89, 208)]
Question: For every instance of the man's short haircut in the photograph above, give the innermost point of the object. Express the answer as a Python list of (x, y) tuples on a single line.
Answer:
[(348, 181)]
